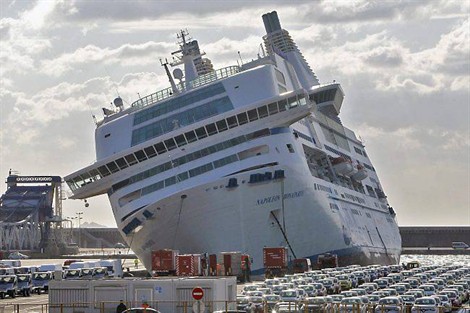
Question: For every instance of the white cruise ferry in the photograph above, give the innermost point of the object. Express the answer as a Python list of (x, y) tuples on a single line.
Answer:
[(241, 158)]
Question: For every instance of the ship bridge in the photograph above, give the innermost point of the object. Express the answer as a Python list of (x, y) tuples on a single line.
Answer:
[(30, 210)]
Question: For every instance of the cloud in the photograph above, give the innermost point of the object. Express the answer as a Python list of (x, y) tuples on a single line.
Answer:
[(126, 55)]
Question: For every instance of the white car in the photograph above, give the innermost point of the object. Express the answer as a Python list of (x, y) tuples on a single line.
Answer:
[(390, 305), (425, 304), (17, 256)]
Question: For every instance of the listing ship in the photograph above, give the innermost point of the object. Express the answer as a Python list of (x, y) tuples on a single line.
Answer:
[(241, 158)]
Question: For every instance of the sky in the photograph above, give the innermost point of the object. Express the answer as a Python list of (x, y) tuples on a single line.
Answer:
[(404, 67)]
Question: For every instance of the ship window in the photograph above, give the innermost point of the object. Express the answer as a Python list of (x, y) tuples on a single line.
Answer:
[(160, 147), (190, 136), (263, 111), (201, 133), (211, 129), (140, 155), (252, 115), (170, 181), (272, 108), (283, 105), (112, 167), (221, 125), (95, 174), (130, 158), (358, 151), (293, 102), (232, 122), (103, 170), (225, 161), (242, 118), (182, 176), (200, 170), (170, 144), (150, 151), (180, 140), (121, 163), (290, 148)]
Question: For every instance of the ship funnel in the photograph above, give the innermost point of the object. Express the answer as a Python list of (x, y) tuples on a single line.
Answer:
[(271, 22)]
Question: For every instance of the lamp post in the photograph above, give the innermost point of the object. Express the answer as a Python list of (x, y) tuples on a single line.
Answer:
[(79, 217)]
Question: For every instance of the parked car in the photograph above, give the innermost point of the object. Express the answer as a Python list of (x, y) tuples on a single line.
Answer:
[(390, 305), (317, 304), (425, 304), (353, 305)]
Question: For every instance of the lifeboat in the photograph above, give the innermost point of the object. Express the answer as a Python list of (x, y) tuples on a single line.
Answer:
[(342, 166), (360, 173)]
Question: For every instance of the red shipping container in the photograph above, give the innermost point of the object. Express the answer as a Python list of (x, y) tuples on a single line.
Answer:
[(275, 257), (213, 265), (188, 265), (164, 261)]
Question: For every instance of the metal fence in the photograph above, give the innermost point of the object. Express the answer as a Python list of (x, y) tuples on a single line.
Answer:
[(215, 306)]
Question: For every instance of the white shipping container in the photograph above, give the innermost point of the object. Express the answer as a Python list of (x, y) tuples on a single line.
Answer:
[(164, 294)]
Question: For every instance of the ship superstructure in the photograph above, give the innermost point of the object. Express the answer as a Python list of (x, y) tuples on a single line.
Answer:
[(241, 158)]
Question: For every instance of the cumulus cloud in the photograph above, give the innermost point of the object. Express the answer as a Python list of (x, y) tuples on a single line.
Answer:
[(127, 55)]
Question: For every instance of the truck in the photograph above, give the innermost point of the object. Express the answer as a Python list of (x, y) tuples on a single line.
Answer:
[(188, 265), (327, 260), (114, 267), (301, 265), (25, 284), (73, 273), (275, 261), (8, 286), (41, 281), (164, 262)]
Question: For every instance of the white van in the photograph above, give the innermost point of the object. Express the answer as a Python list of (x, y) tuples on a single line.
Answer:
[(459, 245)]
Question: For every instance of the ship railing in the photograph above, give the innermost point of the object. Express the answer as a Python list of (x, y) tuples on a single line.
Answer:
[(198, 82)]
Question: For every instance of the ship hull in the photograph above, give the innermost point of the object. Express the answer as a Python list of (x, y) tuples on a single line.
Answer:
[(212, 218)]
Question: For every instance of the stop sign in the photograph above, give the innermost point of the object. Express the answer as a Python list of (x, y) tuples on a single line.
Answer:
[(197, 293)]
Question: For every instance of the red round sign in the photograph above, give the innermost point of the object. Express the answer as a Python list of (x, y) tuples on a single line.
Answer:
[(197, 293)]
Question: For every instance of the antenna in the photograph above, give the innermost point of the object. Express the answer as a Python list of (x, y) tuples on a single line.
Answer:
[(170, 78), (240, 56)]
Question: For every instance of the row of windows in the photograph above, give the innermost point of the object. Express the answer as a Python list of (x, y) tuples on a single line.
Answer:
[(184, 139), (178, 103), (356, 212), (359, 151), (367, 166), (337, 152), (181, 177), (178, 120), (322, 188), (324, 96), (354, 198), (190, 157)]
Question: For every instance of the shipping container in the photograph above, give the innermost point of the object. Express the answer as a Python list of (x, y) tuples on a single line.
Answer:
[(188, 265), (275, 257), (164, 262), (213, 265), (275, 261)]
